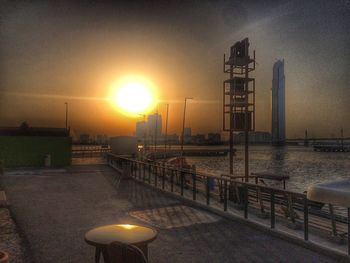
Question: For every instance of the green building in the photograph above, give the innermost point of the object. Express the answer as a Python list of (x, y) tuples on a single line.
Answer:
[(35, 147)]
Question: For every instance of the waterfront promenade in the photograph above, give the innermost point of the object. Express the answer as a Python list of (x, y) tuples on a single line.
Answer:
[(55, 208)]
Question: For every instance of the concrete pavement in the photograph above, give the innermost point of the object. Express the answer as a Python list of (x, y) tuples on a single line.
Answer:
[(55, 208)]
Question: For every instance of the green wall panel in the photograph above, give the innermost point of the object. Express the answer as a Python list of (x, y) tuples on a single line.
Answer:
[(30, 151)]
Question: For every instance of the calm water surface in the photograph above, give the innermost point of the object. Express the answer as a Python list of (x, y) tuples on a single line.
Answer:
[(302, 164)]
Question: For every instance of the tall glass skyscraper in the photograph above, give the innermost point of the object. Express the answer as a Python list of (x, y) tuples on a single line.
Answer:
[(278, 104)]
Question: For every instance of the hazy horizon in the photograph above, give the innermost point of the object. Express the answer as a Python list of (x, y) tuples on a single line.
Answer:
[(60, 51)]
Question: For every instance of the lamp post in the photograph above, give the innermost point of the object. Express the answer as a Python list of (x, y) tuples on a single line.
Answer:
[(66, 103), (144, 129), (166, 128), (183, 126), (155, 133), (142, 149)]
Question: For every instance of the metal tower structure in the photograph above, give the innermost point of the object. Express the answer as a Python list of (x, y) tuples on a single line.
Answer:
[(239, 96)]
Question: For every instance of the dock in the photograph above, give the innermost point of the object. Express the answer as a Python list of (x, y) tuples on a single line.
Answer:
[(188, 152), (331, 148)]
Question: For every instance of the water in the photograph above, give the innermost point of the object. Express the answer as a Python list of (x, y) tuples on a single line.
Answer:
[(304, 166)]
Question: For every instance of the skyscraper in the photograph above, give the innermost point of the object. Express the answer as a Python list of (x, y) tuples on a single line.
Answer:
[(154, 125), (141, 129), (278, 104)]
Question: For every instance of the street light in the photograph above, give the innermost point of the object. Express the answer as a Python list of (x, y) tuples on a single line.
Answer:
[(183, 126), (155, 133), (166, 128), (144, 129)]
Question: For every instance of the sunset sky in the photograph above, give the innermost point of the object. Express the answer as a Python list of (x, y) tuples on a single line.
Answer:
[(53, 52)]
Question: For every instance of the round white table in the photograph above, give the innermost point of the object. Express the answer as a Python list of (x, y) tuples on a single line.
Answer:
[(101, 237)]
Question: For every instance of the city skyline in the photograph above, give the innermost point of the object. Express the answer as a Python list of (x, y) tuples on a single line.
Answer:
[(82, 48)]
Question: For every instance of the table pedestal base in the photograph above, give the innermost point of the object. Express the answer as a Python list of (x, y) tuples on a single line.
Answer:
[(104, 251)]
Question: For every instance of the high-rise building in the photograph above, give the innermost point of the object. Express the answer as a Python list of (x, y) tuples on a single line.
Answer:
[(187, 132), (278, 128), (154, 125), (141, 129), (214, 138), (187, 135)]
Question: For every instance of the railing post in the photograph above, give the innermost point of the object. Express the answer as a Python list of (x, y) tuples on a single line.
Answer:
[(155, 175), (139, 168), (182, 182), (172, 181), (306, 219), (225, 195), (133, 169), (245, 201), (272, 199), (144, 171), (348, 231), (208, 191), (194, 187), (149, 173)]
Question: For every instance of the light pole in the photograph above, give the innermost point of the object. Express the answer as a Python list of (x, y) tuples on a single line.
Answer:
[(141, 148), (166, 128), (155, 133), (342, 138), (66, 103), (183, 126), (144, 129)]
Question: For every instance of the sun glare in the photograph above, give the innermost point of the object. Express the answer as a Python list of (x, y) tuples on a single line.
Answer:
[(134, 96)]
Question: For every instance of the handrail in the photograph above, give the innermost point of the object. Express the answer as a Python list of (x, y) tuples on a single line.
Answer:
[(171, 167), (138, 171)]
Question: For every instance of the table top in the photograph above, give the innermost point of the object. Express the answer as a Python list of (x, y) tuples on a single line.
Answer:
[(128, 234), (336, 193)]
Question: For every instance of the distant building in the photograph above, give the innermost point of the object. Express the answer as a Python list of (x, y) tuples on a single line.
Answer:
[(84, 138), (214, 138), (154, 125), (257, 137), (172, 139), (101, 139), (141, 129), (187, 135), (198, 139), (123, 145), (278, 104), (187, 132)]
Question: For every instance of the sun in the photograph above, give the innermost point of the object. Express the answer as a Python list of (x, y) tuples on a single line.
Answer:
[(134, 96)]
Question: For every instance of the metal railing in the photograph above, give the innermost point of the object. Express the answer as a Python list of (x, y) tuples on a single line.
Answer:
[(246, 196), (81, 151)]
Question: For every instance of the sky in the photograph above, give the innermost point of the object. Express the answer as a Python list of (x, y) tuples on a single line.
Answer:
[(74, 51)]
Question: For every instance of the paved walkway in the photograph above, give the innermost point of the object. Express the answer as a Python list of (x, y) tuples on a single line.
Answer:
[(56, 208)]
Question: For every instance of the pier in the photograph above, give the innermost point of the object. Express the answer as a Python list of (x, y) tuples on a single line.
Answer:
[(331, 148), (188, 152)]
